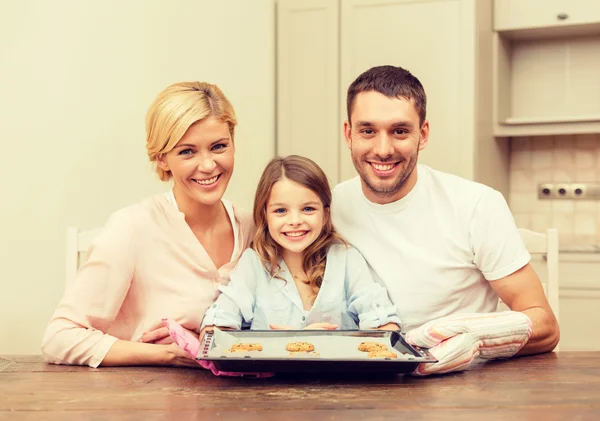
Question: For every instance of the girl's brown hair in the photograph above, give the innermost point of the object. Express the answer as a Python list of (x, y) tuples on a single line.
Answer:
[(307, 173)]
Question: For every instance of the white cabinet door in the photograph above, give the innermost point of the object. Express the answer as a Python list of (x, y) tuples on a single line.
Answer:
[(529, 14), (520, 14), (308, 81), (582, 11), (434, 40), (579, 301)]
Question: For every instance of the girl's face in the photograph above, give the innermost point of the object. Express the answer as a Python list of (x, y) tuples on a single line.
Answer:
[(201, 163), (295, 216)]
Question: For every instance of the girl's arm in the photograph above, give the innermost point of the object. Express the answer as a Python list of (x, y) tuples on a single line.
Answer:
[(236, 303), (367, 301)]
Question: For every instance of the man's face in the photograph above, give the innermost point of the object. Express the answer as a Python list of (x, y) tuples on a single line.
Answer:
[(385, 139)]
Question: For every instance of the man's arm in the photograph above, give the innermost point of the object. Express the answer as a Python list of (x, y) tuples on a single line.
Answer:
[(522, 291)]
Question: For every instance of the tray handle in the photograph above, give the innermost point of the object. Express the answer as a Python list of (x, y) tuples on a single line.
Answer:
[(207, 344)]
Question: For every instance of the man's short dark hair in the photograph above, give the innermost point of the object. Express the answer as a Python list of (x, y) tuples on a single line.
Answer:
[(391, 81)]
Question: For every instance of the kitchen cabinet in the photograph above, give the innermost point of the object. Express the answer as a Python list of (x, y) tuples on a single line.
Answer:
[(579, 300), (323, 45), (546, 78), (515, 15), (308, 123)]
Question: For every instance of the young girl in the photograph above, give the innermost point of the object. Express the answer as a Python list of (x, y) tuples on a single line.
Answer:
[(299, 273)]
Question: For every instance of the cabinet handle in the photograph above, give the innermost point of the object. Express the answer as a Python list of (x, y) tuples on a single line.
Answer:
[(562, 16)]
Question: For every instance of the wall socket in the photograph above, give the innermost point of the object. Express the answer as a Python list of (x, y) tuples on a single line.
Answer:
[(570, 191)]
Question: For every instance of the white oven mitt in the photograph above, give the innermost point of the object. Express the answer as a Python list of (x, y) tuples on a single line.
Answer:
[(455, 341)]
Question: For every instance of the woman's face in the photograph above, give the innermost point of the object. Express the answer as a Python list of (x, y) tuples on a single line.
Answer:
[(201, 163)]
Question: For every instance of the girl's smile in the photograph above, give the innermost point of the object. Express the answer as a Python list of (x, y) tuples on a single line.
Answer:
[(295, 216)]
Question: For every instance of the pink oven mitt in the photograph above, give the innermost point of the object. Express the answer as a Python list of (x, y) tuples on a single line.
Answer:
[(190, 344), (456, 341)]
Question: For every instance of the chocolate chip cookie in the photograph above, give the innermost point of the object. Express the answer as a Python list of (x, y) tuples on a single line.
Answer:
[(245, 347), (371, 346), (300, 347), (385, 354)]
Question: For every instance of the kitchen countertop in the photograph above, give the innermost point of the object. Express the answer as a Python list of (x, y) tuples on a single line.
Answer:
[(582, 253), (580, 248)]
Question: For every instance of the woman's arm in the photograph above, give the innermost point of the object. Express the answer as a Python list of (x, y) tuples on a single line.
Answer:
[(76, 332), (125, 353)]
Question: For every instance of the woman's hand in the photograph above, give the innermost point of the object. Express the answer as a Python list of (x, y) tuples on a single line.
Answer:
[(314, 326), (175, 356), (159, 335)]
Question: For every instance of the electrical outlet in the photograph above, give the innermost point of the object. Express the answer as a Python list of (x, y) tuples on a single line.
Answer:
[(563, 191), (586, 191), (570, 191), (546, 191), (580, 191)]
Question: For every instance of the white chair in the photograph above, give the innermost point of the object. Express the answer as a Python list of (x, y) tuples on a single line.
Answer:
[(544, 246), (78, 243)]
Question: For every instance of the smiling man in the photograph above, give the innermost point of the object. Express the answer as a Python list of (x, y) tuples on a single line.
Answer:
[(445, 247)]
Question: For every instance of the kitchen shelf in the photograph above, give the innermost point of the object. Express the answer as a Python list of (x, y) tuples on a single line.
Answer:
[(546, 86), (543, 120)]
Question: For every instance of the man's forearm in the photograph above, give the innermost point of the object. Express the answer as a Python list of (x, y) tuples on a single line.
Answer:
[(545, 332)]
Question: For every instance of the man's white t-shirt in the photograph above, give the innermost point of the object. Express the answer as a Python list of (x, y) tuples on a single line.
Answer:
[(436, 249)]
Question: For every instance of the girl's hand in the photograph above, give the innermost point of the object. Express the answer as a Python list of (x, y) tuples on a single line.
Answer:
[(206, 329), (314, 326), (321, 326), (281, 327), (389, 326)]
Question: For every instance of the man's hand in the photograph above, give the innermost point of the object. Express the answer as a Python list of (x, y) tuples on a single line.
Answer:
[(456, 341)]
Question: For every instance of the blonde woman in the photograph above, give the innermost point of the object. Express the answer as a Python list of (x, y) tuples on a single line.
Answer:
[(163, 257)]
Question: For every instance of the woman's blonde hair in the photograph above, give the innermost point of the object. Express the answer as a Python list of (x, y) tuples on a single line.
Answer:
[(178, 107), (307, 173)]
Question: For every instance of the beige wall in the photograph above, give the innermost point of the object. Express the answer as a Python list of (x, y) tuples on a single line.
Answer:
[(76, 78), (556, 159)]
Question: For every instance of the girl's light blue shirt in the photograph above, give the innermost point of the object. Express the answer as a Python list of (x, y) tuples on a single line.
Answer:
[(349, 297)]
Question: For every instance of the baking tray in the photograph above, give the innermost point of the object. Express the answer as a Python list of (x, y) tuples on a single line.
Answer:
[(335, 351)]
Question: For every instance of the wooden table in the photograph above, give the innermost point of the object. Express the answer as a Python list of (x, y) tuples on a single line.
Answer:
[(563, 386)]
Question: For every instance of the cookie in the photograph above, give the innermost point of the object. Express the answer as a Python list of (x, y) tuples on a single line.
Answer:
[(244, 347), (386, 354), (299, 347), (371, 346)]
